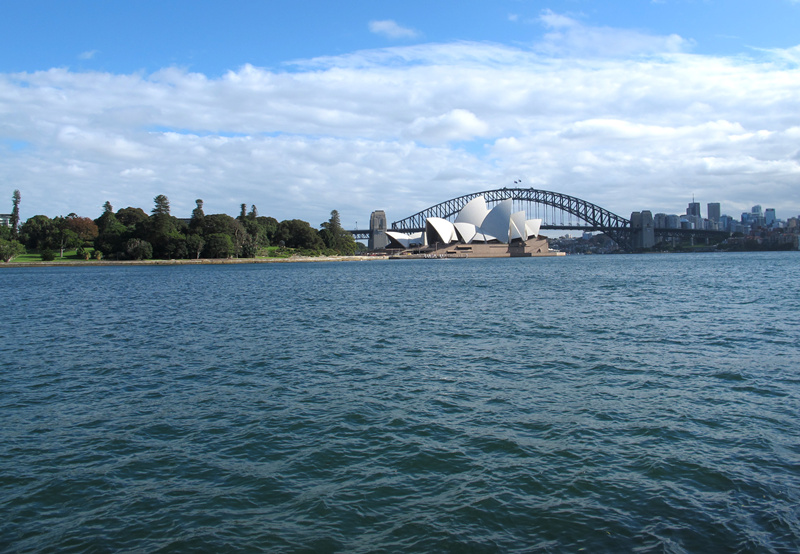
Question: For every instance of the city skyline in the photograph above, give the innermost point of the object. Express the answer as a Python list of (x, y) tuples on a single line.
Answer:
[(301, 108)]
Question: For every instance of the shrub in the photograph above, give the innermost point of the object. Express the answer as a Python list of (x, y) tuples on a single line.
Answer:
[(47, 255)]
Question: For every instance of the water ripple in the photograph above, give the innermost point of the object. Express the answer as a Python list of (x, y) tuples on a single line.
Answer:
[(515, 406)]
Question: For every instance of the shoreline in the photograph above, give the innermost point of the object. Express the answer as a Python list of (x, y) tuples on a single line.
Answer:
[(201, 261)]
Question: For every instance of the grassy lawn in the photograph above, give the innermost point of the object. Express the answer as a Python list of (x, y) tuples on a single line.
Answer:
[(69, 256)]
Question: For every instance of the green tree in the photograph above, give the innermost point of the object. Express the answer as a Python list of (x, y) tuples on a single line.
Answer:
[(219, 245), (38, 233), (107, 207), (243, 212), (9, 249), (138, 249), (270, 227), (198, 217), (161, 205), (111, 235), (225, 224), (195, 245), (62, 237), (337, 238), (164, 233), (131, 217), (249, 247), (296, 233), (15, 199)]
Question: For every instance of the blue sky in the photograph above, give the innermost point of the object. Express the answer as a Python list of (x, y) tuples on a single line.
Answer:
[(212, 37), (305, 106)]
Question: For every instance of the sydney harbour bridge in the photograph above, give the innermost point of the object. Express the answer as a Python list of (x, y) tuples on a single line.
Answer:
[(558, 212)]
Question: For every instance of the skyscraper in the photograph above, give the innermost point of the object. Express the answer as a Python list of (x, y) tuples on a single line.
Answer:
[(693, 209), (713, 211), (769, 216)]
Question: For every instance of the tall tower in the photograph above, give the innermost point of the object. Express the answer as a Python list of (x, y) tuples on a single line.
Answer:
[(713, 211), (377, 231)]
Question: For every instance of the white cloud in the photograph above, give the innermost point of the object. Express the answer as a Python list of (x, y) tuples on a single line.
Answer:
[(390, 29), (391, 129), (455, 125), (88, 55), (567, 36)]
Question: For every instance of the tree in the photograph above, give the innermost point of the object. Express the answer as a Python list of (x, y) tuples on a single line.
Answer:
[(15, 198), (296, 233), (138, 249), (198, 217), (219, 245), (63, 238), (163, 232), (253, 213), (337, 238), (243, 212), (9, 249), (161, 205), (111, 234), (85, 228), (107, 207), (195, 245), (38, 232), (131, 217), (270, 227)]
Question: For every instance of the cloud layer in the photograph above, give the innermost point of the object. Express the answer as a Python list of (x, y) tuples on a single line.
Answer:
[(619, 118)]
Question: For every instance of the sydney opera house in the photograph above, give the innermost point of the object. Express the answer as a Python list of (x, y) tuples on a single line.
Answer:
[(477, 232)]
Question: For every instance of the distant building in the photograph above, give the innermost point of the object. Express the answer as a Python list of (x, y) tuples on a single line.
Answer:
[(713, 211), (769, 217), (5, 220), (755, 218), (673, 222), (378, 239), (642, 235), (693, 209)]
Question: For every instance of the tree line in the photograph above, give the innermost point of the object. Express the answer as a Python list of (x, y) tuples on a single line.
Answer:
[(132, 234)]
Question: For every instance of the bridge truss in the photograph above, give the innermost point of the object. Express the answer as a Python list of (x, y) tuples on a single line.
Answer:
[(556, 210)]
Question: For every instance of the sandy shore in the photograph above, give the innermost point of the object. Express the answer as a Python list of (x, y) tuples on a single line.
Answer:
[(202, 261)]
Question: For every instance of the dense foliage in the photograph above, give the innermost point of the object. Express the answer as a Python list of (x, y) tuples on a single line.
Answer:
[(130, 233)]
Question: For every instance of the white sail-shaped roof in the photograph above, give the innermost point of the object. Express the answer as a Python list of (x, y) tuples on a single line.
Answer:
[(474, 212), (533, 226), (518, 226), (406, 240), (496, 223), (466, 231), (444, 229)]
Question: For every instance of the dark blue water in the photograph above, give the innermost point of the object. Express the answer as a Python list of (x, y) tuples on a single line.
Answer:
[(607, 403)]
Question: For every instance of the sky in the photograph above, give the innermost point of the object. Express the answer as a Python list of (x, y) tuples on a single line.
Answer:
[(301, 107)]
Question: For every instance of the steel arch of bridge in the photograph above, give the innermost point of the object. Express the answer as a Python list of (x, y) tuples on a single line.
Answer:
[(616, 227)]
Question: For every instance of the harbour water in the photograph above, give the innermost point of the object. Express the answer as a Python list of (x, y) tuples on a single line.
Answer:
[(605, 403)]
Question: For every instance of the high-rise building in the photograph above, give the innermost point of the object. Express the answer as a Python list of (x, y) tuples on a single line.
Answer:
[(769, 217), (713, 211), (693, 209), (757, 217)]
